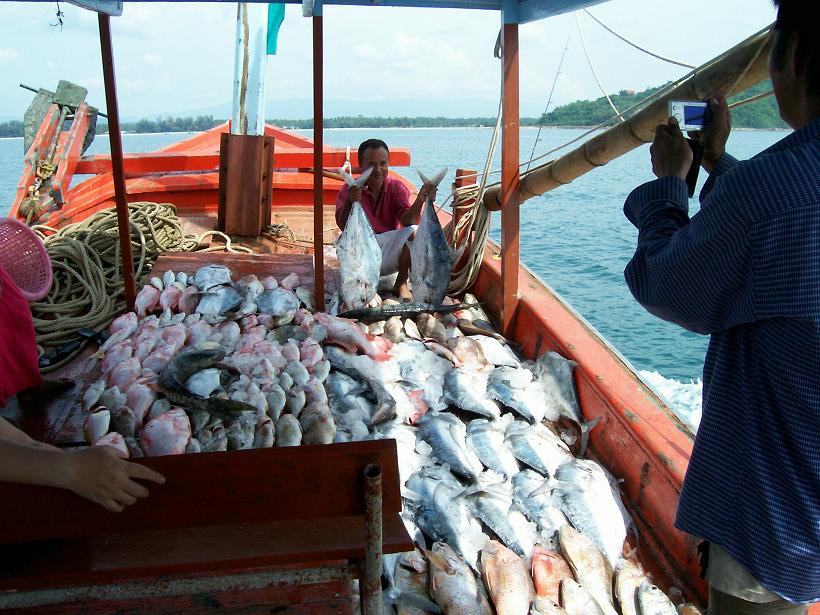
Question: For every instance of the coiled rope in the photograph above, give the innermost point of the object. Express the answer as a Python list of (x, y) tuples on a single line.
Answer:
[(88, 289)]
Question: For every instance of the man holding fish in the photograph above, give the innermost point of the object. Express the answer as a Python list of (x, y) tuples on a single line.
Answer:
[(386, 202)]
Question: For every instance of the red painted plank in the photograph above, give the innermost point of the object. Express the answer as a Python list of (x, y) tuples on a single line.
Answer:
[(252, 486), (162, 162)]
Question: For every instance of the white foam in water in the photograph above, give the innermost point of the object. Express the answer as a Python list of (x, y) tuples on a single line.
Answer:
[(684, 398)]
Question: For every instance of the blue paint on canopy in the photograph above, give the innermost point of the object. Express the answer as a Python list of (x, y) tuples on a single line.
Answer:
[(515, 11)]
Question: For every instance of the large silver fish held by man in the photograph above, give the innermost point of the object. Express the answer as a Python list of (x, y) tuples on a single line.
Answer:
[(431, 260), (360, 257)]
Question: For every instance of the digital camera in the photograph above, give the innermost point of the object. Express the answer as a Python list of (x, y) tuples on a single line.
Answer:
[(691, 115)]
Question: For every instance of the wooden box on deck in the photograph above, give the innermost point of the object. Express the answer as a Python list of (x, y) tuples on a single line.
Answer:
[(245, 184), (279, 511)]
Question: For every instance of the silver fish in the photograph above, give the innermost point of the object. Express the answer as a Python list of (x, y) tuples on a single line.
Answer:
[(555, 373), (213, 437), (211, 276), (466, 389), (276, 400), (349, 364), (537, 447), (540, 508), (486, 438), (577, 600), (280, 303), (241, 431), (515, 388), (360, 256), (494, 506), (431, 259), (589, 567), (587, 499), (218, 302), (204, 382), (446, 435), (265, 433), (453, 585)]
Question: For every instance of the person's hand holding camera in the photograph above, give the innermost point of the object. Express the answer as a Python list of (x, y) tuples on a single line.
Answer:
[(671, 155), (714, 136)]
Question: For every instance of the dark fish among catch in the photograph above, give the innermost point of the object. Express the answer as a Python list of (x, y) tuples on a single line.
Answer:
[(183, 366), (403, 310)]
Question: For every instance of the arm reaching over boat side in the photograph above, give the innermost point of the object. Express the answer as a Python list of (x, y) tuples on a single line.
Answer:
[(95, 473)]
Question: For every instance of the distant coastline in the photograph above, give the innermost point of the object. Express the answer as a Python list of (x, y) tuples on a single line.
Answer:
[(583, 114)]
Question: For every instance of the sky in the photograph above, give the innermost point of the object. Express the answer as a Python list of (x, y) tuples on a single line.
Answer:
[(177, 59)]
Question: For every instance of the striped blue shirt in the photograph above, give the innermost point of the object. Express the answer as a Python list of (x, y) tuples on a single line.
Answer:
[(746, 270)]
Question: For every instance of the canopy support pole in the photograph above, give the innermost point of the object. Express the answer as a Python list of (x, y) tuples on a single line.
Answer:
[(318, 146), (115, 139), (510, 236)]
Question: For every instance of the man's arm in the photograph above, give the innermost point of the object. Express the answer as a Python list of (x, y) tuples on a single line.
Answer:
[(95, 473), (695, 273), (413, 214)]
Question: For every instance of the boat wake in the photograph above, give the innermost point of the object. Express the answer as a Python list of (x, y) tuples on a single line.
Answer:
[(683, 397)]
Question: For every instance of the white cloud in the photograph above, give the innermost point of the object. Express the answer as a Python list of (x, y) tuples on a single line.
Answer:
[(152, 59), (7, 56)]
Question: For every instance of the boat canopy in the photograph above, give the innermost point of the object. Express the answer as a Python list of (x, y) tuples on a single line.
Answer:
[(514, 11)]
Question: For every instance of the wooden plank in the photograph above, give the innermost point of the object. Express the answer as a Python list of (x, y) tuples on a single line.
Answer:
[(224, 548), (250, 486), (69, 154), (277, 265), (510, 238), (244, 184), (46, 134), (169, 162)]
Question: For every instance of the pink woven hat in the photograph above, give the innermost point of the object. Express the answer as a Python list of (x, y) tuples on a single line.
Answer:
[(25, 258)]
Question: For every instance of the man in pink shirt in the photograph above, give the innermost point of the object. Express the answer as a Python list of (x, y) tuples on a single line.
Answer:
[(386, 202)]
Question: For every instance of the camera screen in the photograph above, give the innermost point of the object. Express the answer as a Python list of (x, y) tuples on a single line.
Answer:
[(694, 115)]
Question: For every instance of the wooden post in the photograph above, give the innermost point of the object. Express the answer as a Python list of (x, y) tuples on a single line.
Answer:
[(510, 238), (115, 139), (318, 146), (245, 184)]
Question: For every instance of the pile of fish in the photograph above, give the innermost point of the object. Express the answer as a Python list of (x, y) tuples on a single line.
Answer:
[(509, 516)]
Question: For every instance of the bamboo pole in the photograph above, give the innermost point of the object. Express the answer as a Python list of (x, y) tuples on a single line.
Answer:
[(735, 70)]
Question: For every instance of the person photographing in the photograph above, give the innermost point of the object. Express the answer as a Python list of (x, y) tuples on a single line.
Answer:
[(745, 270)]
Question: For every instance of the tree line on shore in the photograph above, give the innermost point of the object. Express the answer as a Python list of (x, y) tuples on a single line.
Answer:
[(760, 114)]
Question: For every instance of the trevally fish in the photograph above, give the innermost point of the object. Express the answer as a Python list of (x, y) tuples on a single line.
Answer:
[(493, 505), (210, 276), (445, 518), (360, 257), (589, 503), (542, 509), (486, 438), (431, 260), (515, 388), (447, 435), (537, 447), (555, 374), (465, 389)]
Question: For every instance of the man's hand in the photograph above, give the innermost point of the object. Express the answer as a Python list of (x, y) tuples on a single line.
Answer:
[(716, 133), (98, 474), (428, 191), (671, 154), (354, 193)]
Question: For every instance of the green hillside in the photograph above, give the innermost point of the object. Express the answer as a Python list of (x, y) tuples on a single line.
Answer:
[(759, 114)]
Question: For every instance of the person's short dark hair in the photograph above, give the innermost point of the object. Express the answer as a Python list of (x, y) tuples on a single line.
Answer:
[(371, 144), (798, 16)]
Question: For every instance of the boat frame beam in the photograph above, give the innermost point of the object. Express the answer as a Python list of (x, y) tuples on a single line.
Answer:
[(510, 179), (318, 146), (115, 140)]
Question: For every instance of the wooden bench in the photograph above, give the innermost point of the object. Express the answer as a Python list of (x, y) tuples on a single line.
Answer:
[(281, 527)]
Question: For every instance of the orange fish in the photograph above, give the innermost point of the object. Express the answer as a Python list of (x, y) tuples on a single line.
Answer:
[(548, 568)]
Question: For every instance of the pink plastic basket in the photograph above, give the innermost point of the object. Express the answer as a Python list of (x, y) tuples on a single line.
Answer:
[(25, 258)]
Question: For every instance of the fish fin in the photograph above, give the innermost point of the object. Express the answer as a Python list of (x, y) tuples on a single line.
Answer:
[(359, 181), (585, 429), (435, 180)]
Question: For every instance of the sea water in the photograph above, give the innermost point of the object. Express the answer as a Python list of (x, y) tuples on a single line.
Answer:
[(575, 238)]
